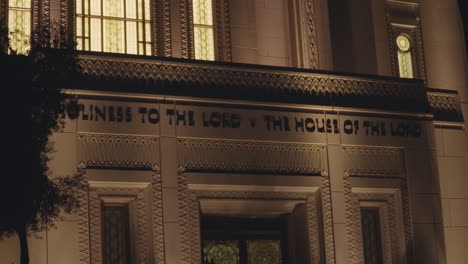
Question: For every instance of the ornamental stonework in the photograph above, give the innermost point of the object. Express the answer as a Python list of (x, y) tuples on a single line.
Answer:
[(374, 161), (250, 156), (122, 151)]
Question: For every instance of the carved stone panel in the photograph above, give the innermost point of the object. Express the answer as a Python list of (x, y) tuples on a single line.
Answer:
[(250, 156), (110, 150), (445, 106), (374, 161)]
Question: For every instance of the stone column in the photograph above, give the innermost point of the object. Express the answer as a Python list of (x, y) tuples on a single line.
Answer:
[(446, 66)]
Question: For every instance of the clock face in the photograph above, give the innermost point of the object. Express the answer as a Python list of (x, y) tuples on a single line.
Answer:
[(403, 43)]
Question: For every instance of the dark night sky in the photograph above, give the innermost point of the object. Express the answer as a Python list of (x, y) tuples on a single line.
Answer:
[(464, 13)]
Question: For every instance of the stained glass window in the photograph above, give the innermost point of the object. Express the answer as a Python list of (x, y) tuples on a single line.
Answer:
[(371, 235), (203, 29), (19, 25), (405, 62), (237, 240), (231, 252), (115, 235), (119, 26), (264, 251), (221, 252)]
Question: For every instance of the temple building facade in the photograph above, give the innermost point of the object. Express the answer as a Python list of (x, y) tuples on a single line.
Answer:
[(258, 131)]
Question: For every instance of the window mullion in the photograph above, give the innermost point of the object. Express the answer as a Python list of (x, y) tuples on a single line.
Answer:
[(83, 35), (135, 29), (102, 25), (125, 25), (243, 251)]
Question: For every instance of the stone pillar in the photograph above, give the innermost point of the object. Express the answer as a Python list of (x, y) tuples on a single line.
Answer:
[(446, 66), (168, 154), (337, 187)]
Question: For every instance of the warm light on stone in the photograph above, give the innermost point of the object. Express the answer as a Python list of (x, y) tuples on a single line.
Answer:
[(244, 131)]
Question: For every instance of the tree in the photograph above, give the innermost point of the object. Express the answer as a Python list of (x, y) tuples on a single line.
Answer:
[(32, 199)]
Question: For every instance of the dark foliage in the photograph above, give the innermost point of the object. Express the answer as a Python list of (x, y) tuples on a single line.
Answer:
[(31, 198)]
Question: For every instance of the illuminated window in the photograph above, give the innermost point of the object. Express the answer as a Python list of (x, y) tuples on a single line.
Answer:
[(203, 29), (19, 25), (405, 62), (115, 234), (119, 26), (371, 240)]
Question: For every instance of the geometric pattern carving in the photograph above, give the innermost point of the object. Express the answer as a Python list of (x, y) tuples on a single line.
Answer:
[(223, 31), (107, 150), (327, 220), (36, 14), (67, 26), (162, 27), (83, 218), (45, 13), (311, 34), (443, 102), (225, 81), (70, 19), (167, 40), (374, 161), (142, 237), (445, 105), (226, 76), (249, 156), (186, 29), (158, 224), (189, 213), (420, 50)]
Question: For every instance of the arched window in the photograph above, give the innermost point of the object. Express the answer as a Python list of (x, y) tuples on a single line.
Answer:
[(203, 29), (405, 62), (19, 25), (119, 26)]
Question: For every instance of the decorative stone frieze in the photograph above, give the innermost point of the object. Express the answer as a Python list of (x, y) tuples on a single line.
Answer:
[(443, 102), (232, 76), (374, 161), (110, 150), (249, 156), (445, 105)]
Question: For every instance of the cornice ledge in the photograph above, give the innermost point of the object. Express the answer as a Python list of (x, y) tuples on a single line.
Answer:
[(196, 74), (445, 106)]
